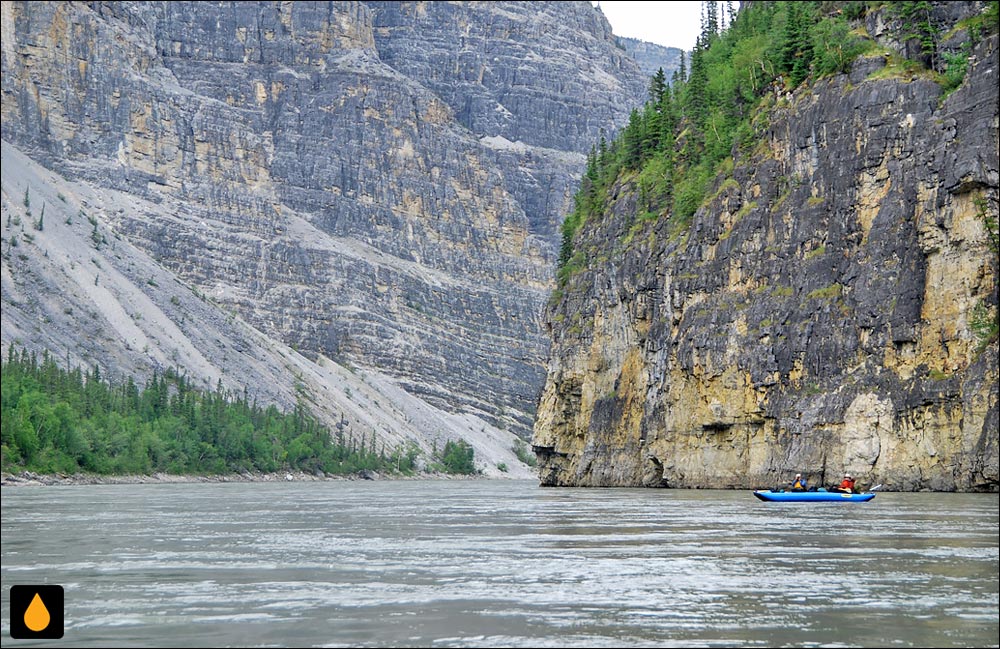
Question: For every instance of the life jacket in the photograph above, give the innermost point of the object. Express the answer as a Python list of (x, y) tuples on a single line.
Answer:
[(847, 484), (799, 484)]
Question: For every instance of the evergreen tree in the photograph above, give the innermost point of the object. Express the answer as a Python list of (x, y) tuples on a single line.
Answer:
[(657, 86), (796, 52), (651, 131), (697, 94), (710, 22), (632, 139), (918, 24)]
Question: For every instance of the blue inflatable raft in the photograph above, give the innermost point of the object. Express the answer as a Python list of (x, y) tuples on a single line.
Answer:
[(811, 496)]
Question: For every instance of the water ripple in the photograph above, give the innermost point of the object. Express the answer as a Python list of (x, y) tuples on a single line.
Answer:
[(503, 564)]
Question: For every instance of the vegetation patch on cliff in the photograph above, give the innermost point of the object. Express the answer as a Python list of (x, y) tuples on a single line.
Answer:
[(681, 141)]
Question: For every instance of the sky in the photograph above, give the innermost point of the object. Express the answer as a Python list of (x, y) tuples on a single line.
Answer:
[(671, 24)]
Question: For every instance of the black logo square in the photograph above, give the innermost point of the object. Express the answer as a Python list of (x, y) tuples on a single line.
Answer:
[(36, 612)]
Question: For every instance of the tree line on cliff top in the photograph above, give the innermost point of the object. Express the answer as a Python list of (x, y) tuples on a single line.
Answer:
[(687, 131)]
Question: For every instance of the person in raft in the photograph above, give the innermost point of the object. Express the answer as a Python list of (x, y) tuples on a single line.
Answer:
[(846, 485), (799, 484)]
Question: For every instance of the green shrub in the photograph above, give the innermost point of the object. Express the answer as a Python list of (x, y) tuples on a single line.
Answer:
[(524, 454), (458, 457)]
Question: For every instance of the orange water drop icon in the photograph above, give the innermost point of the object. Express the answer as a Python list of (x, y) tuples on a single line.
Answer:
[(37, 617)]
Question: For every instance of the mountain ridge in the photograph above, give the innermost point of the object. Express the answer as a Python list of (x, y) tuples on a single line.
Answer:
[(264, 159)]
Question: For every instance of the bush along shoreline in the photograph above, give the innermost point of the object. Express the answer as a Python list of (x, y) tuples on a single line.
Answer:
[(32, 479), (73, 426)]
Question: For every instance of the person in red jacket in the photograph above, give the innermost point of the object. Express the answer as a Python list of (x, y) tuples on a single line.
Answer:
[(846, 485)]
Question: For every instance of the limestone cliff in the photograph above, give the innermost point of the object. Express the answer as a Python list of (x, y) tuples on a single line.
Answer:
[(652, 57), (816, 314), (377, 184)]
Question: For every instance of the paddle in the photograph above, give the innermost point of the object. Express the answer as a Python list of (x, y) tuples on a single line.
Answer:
[(876, 487)]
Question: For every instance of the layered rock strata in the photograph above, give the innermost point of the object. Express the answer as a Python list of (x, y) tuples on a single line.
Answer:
[(326, 173), (816, 316), (652, 57)]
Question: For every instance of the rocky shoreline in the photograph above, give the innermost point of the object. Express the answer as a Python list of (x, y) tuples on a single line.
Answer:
[(31, 479)]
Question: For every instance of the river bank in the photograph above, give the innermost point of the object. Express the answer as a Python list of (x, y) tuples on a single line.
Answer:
[(31, 479)]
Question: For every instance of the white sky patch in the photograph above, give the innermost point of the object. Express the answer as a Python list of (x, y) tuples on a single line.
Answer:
[(671, 24)]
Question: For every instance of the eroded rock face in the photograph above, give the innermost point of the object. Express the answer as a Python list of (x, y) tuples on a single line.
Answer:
[(652, 57), (536, 84), (328, 169), (815, 317)]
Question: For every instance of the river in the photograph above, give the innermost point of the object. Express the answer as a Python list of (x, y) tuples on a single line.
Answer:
[(501, 563)]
